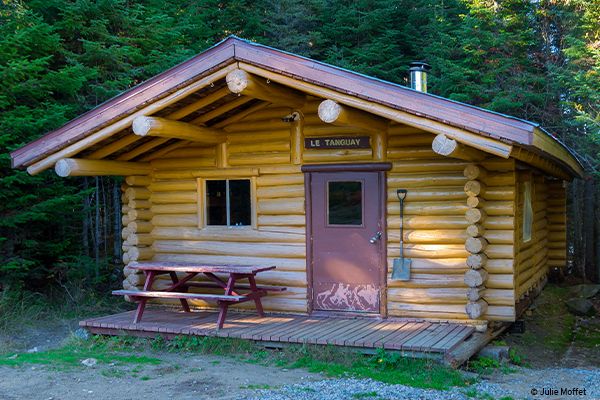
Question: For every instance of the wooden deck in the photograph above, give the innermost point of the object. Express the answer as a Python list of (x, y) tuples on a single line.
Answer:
[(416, 338)]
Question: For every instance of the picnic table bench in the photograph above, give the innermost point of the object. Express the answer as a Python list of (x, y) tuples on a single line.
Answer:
[(179, 287)]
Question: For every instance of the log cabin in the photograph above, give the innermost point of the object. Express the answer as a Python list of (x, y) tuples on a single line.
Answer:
[(245, 154)]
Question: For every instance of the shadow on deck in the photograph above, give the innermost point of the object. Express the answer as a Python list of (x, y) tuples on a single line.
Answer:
[(412, 338)]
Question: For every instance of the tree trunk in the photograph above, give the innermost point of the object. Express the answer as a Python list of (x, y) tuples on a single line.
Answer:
[(97, 230), (85, 228), (117, 222), (105, 217)]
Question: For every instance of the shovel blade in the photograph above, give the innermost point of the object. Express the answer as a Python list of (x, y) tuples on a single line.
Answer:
[(401, 269)]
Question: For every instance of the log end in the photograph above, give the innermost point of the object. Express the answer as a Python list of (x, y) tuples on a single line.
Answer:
[(63, 168), (475, 293), (475, 245), (329, 111), (443, 145), (475, 215), (476, 309), (475, 202), (475, 230), (141, 125), (476, 261), (473, 171), (475, 277), (237, 80), (474, 188)]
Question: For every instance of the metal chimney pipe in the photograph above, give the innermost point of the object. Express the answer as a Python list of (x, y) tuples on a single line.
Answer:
[(418, 75)]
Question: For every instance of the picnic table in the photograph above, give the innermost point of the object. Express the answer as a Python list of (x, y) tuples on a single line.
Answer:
[(234, 292)]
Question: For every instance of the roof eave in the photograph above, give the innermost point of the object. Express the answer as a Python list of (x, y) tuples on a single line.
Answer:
[(559, 152)]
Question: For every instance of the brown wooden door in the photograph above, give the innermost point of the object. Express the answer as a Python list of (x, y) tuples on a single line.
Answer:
[(348, 241)]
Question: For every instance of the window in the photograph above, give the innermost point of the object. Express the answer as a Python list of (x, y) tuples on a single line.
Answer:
[(228, 202), (527, 212), (344, 203)]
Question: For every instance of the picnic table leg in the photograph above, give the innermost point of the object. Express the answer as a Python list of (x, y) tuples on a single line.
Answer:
[(142, 302), (223, 305), (184, 302), (257, 302), (222, 314)]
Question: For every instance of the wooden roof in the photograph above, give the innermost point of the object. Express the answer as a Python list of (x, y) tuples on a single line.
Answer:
[(504, 129)]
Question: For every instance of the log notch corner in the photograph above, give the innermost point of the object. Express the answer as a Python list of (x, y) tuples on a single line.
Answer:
[(475, 244), (137, 228)]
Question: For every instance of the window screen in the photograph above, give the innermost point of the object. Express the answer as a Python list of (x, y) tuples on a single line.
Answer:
[(228, 202), (527, 212), (344, 203)]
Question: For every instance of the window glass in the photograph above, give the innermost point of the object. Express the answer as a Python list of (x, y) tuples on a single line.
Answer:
[(527, 212), (239, 202), (216, 202), (344, 203), (228, 202)]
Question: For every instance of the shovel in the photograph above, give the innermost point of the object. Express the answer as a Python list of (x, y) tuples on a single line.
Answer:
[(401, 267)]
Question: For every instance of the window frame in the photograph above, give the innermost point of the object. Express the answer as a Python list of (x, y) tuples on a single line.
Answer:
[(201, 203)]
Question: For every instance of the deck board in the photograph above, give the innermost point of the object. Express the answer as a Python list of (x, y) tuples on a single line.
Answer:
[(381, 333), (436, 337), (454, 339), (413, 336), (332, 330), (398, 336)]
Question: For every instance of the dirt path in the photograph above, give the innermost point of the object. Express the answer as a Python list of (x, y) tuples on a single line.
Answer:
[(176, 377), (181, 377)]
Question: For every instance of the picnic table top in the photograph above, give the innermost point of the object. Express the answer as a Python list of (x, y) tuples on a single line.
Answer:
[(194, 267)]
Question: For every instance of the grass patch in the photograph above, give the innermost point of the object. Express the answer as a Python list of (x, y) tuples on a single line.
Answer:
[(558, 322), (484, 365), (364, 395), (113, 373), (587, 334), (256, 387), (71, 354), (385, 367)]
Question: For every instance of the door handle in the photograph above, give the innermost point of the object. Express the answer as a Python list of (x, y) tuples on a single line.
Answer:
[(375, 237)]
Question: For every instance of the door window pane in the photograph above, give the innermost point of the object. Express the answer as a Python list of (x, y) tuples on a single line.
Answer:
[(344, 203), (239, 202)]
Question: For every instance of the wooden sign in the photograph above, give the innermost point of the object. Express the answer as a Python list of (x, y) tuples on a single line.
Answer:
[(338, 142)]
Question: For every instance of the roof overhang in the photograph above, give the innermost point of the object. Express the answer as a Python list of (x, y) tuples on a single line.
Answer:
[(495, 133)]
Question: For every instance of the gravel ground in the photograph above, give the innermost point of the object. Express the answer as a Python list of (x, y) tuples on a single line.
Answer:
[(344, 389), (518, 385)]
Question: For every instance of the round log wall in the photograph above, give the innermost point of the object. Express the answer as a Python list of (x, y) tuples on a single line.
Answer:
[(458, 232), (459, 222)]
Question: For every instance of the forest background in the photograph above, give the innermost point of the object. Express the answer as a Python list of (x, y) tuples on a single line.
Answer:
[(535, 59)]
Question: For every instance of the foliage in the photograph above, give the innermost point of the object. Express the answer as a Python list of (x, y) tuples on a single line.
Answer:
[(514, 357), (484, 365), (22, 311), (535, 60)]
